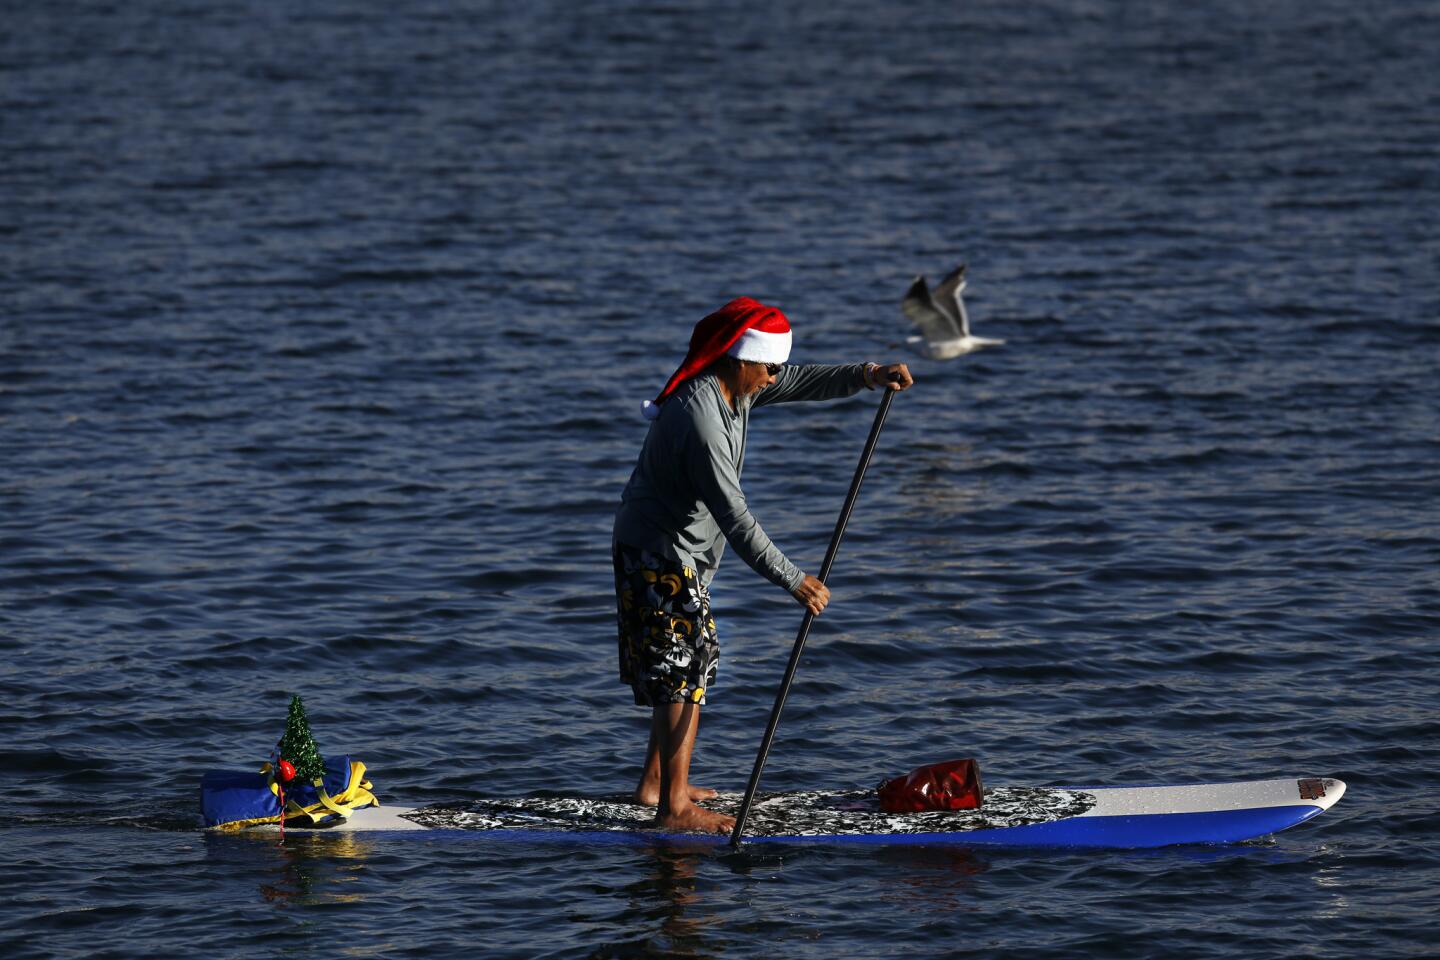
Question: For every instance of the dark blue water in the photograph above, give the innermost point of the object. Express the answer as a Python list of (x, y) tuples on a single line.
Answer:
[(324, 332)]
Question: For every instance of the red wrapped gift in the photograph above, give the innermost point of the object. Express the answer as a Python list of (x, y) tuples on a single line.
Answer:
[(951, 785)]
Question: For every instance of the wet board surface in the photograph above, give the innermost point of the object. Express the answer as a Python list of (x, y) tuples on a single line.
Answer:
[(1115, 817)]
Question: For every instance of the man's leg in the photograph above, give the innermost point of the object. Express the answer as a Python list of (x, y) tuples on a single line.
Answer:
[(673, 729), (647, 793)]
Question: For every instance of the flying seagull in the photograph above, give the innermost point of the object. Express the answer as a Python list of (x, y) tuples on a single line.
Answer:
[(941, 317)]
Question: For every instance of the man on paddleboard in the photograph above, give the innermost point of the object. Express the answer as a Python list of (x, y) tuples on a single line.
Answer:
[(682, 505)]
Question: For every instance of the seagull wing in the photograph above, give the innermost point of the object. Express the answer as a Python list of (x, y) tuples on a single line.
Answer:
[(949, 295), (935, 324)]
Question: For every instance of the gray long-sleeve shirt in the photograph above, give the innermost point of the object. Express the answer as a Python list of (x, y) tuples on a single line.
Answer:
[(684, 499)]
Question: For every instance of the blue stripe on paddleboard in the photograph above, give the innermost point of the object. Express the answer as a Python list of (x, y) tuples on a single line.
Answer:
[(1117, 832)]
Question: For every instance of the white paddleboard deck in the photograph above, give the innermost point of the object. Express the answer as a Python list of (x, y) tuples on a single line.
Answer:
[(1116, 817)]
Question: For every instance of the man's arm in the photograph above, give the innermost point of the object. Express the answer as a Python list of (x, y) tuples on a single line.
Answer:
[(813, 381), (709, 467), (823, 381)]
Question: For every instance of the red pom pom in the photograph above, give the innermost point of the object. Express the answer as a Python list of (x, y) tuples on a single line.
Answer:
[(287, 771)]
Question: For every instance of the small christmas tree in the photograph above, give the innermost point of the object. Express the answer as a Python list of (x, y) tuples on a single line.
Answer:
[(298, 745)]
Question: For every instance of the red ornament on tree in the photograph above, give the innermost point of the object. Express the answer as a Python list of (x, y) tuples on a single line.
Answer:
[(287, 771)]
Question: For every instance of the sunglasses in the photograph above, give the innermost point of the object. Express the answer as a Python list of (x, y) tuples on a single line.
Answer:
[(771, 368)]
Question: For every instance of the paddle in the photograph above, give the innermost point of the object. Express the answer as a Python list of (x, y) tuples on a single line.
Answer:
[(790, 668)]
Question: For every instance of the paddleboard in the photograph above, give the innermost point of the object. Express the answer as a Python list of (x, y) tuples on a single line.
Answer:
[(1113, 817)]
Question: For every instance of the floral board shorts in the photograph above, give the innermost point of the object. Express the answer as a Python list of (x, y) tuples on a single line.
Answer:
[(668, 646)]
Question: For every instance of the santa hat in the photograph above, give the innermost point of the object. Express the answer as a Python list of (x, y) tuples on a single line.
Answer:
[(745, 329)]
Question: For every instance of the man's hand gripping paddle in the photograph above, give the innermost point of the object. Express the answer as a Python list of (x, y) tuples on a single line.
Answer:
[(790, 668)]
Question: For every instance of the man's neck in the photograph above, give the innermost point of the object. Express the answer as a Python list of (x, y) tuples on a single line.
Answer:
[(727, 390)]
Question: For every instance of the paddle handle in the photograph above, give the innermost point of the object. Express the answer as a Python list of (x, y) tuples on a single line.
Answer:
[(804, 633)]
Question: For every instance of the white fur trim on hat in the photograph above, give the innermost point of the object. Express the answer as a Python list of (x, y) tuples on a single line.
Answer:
[(758, 346)]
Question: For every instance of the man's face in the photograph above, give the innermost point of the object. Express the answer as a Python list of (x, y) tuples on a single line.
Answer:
[(755, 377)]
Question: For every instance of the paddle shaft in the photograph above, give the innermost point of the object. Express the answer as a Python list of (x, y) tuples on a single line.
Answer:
[(800, 638)]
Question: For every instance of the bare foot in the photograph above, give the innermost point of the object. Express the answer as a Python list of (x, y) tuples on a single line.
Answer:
[(696, 819), (648, 795)]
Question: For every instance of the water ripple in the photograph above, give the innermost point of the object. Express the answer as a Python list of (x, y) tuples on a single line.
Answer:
[(324, 337)]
